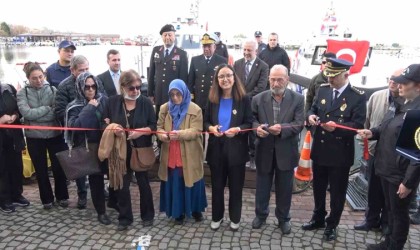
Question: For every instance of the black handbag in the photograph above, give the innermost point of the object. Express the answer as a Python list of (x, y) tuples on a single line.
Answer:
[(80, 161)]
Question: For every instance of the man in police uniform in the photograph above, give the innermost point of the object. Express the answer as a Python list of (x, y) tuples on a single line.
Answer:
[(167, 62), (333, 148), (261, 45), (202, 70), (221, 48)]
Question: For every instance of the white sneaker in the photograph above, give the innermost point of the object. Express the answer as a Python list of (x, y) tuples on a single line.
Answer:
[(214, 225), (234, 226)]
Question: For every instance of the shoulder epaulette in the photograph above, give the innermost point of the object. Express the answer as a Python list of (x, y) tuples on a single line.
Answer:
[(358, 91), (325, 85)]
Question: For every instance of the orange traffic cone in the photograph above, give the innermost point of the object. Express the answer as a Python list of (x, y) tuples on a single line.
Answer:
[(304, 170)]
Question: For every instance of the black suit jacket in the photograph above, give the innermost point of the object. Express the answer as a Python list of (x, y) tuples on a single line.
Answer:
[(284, 145), (200, 77), (108, 83), (258, 76), (163, 70), (235, 148), (336, 149)]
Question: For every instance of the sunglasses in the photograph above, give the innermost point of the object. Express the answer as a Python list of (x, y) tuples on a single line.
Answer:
[(93, 87), (132, 88)]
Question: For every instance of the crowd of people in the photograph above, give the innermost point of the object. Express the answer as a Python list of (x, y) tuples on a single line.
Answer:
[(244, 113)]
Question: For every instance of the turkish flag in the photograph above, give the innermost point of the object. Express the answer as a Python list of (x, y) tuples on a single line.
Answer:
[(352, 51)]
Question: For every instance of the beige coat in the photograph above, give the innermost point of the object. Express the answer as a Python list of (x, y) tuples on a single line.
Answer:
[(191, 141)]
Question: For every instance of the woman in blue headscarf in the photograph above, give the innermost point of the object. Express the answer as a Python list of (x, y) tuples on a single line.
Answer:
[(179, 127)]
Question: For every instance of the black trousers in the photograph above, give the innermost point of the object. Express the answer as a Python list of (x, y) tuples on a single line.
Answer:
[(251, 143), (338, 178), (37, 149), (97, 184), (398, 212), (283, 182), (375, 213), (11, 171), (147, 210), (235, 176)]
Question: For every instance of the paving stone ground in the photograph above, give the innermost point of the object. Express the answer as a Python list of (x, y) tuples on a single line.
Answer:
[(35, 228)]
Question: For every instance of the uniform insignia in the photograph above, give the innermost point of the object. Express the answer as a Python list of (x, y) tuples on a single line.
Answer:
[(358, 91), (340, 120), (325, 85), (175, 58), (234, 112), (323, 101), (343, 107), (417, 137), (156, 55)]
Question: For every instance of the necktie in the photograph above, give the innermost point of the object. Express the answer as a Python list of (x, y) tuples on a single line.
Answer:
[(247, 69), (208, 60), (166, 52), (336, 93)]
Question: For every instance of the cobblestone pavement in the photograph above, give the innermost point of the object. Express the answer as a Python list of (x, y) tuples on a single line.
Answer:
[(35, 228)]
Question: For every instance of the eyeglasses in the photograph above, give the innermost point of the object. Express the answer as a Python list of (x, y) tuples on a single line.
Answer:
[(93, 87), (177, 94), (221, 77), (132, 88)]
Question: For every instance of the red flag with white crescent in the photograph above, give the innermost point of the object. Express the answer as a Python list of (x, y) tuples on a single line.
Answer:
[(352, 51)]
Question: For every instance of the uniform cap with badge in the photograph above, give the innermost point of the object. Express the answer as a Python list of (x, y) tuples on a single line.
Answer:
[(66, 44), (167, 28), (410, 74), (208, 39), (257, 33), (336, 66)]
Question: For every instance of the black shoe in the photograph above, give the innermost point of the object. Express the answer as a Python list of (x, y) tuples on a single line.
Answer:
[(114, 206), (48, 206), (285, 227), (198, 216), (179, 220), (63, 203), (147, 223), (330, 233), (415, 218), (381, 246), (385, 229), (104, 219), (122, 227), (366, 227), (7, 208), (313, 224), (20, 202), (81, 203), (257, 223)]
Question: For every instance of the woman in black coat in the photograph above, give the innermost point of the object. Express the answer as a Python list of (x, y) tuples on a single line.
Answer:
[(400, 176), (138, 111), (86, 112), (11, 146), (228, 112)]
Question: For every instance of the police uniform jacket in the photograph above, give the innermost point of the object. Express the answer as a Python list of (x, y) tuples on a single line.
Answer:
[(336, 149), (221, 50), (200, 77), (165, 69)]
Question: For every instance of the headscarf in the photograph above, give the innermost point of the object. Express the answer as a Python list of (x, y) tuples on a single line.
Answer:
[(80, 86), (179, 111)]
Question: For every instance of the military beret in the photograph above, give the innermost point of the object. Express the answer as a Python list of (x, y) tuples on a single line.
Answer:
[(167, 28), (335, 66)]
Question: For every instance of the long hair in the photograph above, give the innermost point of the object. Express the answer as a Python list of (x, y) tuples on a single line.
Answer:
[(238, 90)]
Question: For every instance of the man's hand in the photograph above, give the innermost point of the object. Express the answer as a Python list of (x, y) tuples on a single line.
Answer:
[(313, 120), (329, 126), (262, 131), (275, 129), (403, 191), (152, 99), (364, 133)]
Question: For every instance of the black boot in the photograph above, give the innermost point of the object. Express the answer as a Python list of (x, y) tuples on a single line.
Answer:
[(393, 245), (415, 218), (380, 246)]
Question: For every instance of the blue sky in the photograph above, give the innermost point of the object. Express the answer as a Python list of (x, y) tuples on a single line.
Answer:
[(385, 21)]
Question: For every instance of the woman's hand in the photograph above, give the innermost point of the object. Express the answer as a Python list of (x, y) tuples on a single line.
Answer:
[(403, 191), (94, 102), (174, 135), (6, 119), (364, 133), (232, 132), (216, 130), (132, 135), (119, 131)]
